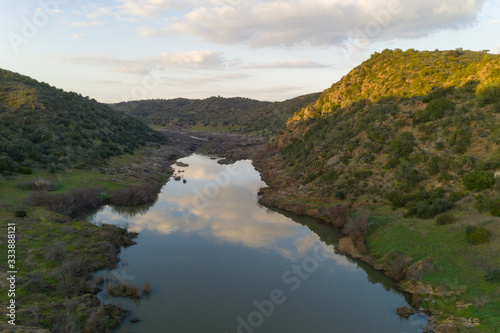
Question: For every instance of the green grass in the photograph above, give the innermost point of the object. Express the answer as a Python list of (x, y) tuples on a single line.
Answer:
[(36, 233), (458, 264)]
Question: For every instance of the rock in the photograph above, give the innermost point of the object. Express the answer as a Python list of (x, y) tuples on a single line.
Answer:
[(405, 311), (135, 320), (333, 161), (462, 305)]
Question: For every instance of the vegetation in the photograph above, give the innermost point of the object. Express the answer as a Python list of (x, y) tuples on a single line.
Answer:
[(217, 113), (45, 127), (413, 136)]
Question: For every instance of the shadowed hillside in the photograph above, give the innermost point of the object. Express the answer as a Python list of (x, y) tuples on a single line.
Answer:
[(42, 126), (217, 113)]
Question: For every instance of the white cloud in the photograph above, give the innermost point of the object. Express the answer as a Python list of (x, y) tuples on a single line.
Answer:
[(320, 22), (77, 36), (186, 60), (87, 24), (286, 64)]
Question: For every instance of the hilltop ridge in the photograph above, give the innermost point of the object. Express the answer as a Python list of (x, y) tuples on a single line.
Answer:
[(43, 126)]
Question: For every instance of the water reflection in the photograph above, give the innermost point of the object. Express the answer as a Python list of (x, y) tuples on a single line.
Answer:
[(210, 251), (218, 202)]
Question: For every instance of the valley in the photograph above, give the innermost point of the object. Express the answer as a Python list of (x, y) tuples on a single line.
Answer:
[(401, 156)]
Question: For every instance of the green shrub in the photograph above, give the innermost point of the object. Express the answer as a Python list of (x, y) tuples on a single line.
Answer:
[(455, 196), (340, 195), (493, 276), (479, 180), (397, 199), (24, 170), (495, 208), (445, 218), (477, 235), (20, 213)]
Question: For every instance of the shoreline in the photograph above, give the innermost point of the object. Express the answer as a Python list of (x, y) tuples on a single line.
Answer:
[(279, 194)]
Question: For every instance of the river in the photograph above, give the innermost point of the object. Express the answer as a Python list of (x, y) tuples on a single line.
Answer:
[(220, 262)]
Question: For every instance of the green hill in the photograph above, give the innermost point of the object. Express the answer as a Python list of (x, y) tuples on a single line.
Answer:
[(371, 133), (398, 74), (217, 113), (42, 126), (411, 140)]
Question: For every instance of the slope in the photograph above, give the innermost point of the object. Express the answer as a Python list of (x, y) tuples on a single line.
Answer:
[(42, 126), (217, 113)]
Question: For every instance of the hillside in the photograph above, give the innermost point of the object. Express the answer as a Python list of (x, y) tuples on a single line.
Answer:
[(398, 74), (411, 140), (42, 126), (217, 113), (368, 146)]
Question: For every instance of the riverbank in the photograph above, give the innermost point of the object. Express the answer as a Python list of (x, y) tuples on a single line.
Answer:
[(433, 262), (56, 255)]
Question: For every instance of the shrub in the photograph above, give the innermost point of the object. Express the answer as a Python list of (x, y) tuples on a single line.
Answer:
[(477, 235), (346, 244), (71, 203), (39, 184), (495, 208), (399, 267), (24, 170), (479, 180), (445, 218), (134, 195), (339, 195), (357, 226), (20, 213), (493, 276), (397, 199), (336, 215)]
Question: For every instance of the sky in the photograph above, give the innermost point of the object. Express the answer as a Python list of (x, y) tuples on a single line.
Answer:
[(121, 50)]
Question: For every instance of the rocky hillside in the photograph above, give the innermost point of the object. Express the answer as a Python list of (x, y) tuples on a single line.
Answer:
[(417, 129), (398, 74), (236, 114), (42, 126)]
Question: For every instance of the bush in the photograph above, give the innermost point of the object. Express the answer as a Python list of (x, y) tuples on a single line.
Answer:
[(134, 195), (71, 203), (495, 208), (445, 218), (479, 180), (493, 276), (357, 226), (20, 213), (24, 170), (339, 195), (477, 235), (39, 184), (399, 267), (336, 215), (397, 199)]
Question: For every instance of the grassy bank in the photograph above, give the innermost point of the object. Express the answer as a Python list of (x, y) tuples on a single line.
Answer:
[(56, 255), (456, 264), (436, 263)]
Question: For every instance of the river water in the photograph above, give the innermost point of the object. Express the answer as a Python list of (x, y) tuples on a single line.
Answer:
[(220, 262)]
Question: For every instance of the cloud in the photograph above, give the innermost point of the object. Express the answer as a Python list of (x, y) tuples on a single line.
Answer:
[(322, 22), (87, 24), (77, 36), (186, 60), (286, 64)]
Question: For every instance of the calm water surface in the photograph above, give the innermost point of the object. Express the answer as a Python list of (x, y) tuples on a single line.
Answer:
[(220, 262)]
